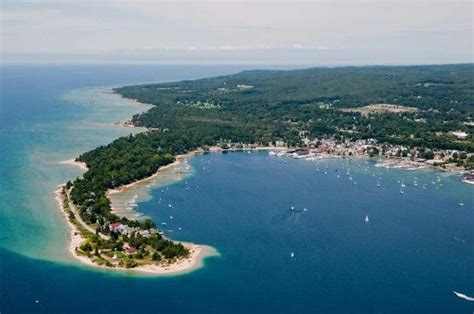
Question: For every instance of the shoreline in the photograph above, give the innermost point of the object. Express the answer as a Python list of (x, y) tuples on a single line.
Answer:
[(178, 160), (81, 165), (198, 252), (387, 162)]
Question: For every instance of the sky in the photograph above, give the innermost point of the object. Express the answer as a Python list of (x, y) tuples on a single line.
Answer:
[(232, 32)]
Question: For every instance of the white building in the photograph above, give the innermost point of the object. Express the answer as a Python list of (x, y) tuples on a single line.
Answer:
[(460, 135)]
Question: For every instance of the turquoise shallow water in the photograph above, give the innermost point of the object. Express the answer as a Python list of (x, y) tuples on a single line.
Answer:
[(50, 114), (415, 251)]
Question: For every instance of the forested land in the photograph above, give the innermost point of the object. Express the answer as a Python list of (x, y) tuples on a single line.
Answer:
[(267, 106)]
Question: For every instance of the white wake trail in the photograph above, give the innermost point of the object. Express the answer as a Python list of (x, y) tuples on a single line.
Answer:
[(463, 296)]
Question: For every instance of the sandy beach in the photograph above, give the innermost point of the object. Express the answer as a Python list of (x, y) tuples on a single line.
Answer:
[(76, 239), (197, 252), (178, 160), (195, 260), (73, 162)]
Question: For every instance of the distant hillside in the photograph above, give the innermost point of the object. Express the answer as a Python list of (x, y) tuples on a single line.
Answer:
[(409, 105), (441, 87)]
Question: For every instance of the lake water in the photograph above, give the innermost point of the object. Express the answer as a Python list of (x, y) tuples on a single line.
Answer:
[(414, 252)]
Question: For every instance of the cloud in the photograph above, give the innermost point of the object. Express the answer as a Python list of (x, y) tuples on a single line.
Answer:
[(26, 15), (392, 29)]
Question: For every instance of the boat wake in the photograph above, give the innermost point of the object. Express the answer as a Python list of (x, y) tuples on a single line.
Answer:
[(463, 296)]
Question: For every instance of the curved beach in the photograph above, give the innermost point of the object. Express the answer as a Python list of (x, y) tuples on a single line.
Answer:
[(197, 252)]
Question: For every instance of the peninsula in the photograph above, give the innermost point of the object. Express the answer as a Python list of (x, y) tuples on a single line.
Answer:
[(416, 114)]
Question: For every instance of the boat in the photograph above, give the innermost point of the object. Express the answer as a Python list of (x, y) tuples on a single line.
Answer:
[(401, 191), (461, 204), (378, 183), (403, 184), (366, 218), (292, 255)]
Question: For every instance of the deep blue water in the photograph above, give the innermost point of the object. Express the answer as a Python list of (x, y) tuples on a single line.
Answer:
[(416, 250)]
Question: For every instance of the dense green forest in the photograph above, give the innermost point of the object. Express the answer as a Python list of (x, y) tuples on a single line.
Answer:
[(279, 104), (267, 106)]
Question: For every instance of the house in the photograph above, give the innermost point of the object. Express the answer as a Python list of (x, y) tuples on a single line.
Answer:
[(279, 143), (460, 135), (90, 209), (144, 233), (129, 250), (114, 226)]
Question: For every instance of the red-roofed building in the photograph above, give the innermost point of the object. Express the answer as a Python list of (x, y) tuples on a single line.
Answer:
[(130, 250), (114, 226)]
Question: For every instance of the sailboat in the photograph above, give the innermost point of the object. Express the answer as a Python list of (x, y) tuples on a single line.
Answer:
[(401, 191), (292, 255), (378, 183), (366, 218), (403, 184)]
